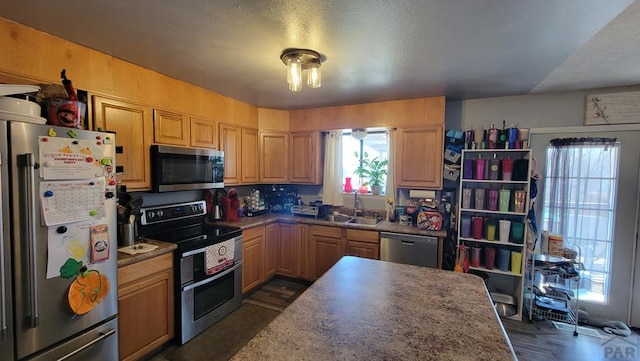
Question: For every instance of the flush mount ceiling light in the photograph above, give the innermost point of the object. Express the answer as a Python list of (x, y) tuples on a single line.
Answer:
[(297, 60), (359, 133)]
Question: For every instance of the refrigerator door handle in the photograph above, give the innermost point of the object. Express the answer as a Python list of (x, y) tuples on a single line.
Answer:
[(3, 282), (29, 215), (102, 336)]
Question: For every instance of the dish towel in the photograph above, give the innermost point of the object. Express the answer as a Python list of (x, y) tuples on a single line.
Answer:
[(219, 256)]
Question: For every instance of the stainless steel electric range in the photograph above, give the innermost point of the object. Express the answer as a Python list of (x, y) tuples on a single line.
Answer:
[(208, 264)]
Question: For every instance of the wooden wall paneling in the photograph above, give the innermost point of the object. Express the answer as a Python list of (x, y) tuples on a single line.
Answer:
[(273, 119)]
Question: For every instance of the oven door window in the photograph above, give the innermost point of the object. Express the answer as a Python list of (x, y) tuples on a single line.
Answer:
[(212, 295), (187, 169)]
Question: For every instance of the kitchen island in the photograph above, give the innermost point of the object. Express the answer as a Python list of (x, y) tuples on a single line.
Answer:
[(364, 309)]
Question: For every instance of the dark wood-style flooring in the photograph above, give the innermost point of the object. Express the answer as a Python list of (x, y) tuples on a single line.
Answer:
[(532, 341)]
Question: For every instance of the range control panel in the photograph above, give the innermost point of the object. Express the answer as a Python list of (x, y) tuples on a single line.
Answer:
[(172, 212)]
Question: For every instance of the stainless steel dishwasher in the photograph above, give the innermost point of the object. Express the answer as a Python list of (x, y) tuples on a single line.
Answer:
[(409, 249)]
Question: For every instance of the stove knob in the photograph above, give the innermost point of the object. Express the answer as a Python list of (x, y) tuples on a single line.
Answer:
[(160, 213), (151, 215)]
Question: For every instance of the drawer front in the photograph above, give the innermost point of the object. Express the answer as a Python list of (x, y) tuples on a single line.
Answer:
[(331, 232), (251, 233), (363, 236), (145, 268)]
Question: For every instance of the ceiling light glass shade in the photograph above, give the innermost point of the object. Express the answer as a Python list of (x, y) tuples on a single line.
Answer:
[(294, 73), (359, 133), (314, 77)]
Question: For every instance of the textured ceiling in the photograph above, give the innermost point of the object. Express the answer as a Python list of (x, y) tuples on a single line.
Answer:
[(375, 49)]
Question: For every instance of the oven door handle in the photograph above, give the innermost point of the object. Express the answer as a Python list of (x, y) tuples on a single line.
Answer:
[(211, 279), (202, 250)]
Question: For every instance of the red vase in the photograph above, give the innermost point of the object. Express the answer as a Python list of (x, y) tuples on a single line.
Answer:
[(348, 187)]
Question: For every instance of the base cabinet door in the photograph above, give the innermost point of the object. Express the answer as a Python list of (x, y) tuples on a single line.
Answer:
[(271, 245), (302, 234), (253, 258), (326, 249), (362, 243), (286, 262), (362, 249), (145, 306)]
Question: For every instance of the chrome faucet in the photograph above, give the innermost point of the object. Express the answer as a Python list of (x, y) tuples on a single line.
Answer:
[(358, 206)]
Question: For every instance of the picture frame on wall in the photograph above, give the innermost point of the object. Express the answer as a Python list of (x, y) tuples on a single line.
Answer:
[(612, 108)]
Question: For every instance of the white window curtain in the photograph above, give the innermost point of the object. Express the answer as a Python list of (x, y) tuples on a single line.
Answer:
[(390, 189), (579, 204), (332, 180)]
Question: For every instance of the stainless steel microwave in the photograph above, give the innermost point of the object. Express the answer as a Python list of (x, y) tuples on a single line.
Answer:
[(181, 169)]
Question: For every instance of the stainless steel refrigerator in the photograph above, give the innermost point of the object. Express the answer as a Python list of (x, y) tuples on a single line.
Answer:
[(59, 246)]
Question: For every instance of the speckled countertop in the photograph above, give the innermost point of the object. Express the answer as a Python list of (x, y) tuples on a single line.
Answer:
[(384, 226), (163, 247), (365, 309)]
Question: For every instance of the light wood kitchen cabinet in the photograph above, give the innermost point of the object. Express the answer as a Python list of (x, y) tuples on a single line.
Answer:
[(274, 163), (305, 158), (419, 159), (362, 243), (204, 133), (170, 128), (326, 249), (253, 257), (230, 143), (241, 158), (301, 237), (286, 260), (250, 166), (145, 306), (133, 125), (271, 244)]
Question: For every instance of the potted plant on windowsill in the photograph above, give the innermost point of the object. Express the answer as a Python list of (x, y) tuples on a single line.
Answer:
[(375, 170)]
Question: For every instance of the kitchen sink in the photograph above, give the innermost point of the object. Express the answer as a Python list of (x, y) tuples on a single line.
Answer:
[(336, 218), (365, 221)]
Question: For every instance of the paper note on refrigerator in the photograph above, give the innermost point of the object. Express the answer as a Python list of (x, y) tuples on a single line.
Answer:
[(71, 241), (72, 201), (68, 158)]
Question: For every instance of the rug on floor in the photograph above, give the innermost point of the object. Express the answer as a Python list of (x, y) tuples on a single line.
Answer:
[(277, 294), (222, 340), (581, 329)]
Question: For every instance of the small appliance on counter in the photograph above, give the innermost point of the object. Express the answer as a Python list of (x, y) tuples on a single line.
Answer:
[(314, 210), (254, 204), (231, 206), (279, 198)]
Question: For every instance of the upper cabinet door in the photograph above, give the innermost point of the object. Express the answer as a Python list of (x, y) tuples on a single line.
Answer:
[(133, 125), (204, 133), (305, 158), (230, 144), (419, 157), (250, 164), (274, 150), (170, 128)]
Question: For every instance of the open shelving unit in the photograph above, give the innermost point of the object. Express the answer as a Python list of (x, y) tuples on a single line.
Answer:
[(509, 281), (553, 284)]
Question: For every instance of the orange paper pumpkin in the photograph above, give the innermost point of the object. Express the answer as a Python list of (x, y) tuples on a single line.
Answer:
[(87, 291)]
